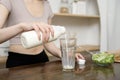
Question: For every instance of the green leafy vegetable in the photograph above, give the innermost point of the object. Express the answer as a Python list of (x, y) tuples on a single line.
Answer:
[(103, 58)]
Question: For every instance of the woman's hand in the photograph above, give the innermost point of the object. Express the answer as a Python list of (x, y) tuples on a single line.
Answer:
[(79, 56), (39, 27)]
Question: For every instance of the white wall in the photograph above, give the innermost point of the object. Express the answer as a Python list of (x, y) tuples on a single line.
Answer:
[(87, 29)]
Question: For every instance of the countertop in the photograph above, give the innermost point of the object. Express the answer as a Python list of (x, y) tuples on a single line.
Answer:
[(53, 71)]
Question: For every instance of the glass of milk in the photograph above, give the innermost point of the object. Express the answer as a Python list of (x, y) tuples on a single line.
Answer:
[(68, 46)]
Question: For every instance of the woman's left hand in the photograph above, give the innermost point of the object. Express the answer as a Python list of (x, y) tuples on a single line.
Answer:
[(79, 56)]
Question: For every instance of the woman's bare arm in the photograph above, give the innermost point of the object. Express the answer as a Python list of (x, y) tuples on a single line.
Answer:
[(51, 47), (7, 33)]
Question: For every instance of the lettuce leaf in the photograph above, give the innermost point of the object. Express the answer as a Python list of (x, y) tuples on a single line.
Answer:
[(103, 58)]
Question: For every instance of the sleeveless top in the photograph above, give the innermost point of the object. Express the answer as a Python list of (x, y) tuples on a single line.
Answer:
[(18, 13)]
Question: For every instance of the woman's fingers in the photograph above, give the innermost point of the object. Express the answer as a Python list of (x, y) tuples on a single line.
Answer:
[(79, 56), (42, 31), (51, 30), (37, 31), (48, 28), (45, 29)]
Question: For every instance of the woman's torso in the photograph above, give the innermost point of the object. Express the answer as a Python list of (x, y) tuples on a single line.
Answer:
[(24, 11)]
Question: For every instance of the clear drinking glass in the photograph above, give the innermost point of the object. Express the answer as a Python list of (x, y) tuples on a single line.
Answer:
[(68, 46)]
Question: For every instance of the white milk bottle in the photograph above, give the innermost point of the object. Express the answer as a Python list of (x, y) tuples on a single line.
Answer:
[(30, 39)]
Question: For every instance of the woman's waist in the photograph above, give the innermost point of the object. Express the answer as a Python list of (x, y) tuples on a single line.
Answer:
[(20, 49)]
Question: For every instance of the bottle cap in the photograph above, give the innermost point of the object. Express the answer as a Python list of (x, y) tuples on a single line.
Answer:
[(81, 61)]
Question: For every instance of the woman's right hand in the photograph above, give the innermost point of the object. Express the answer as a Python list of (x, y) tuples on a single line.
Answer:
[(39, 27)]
